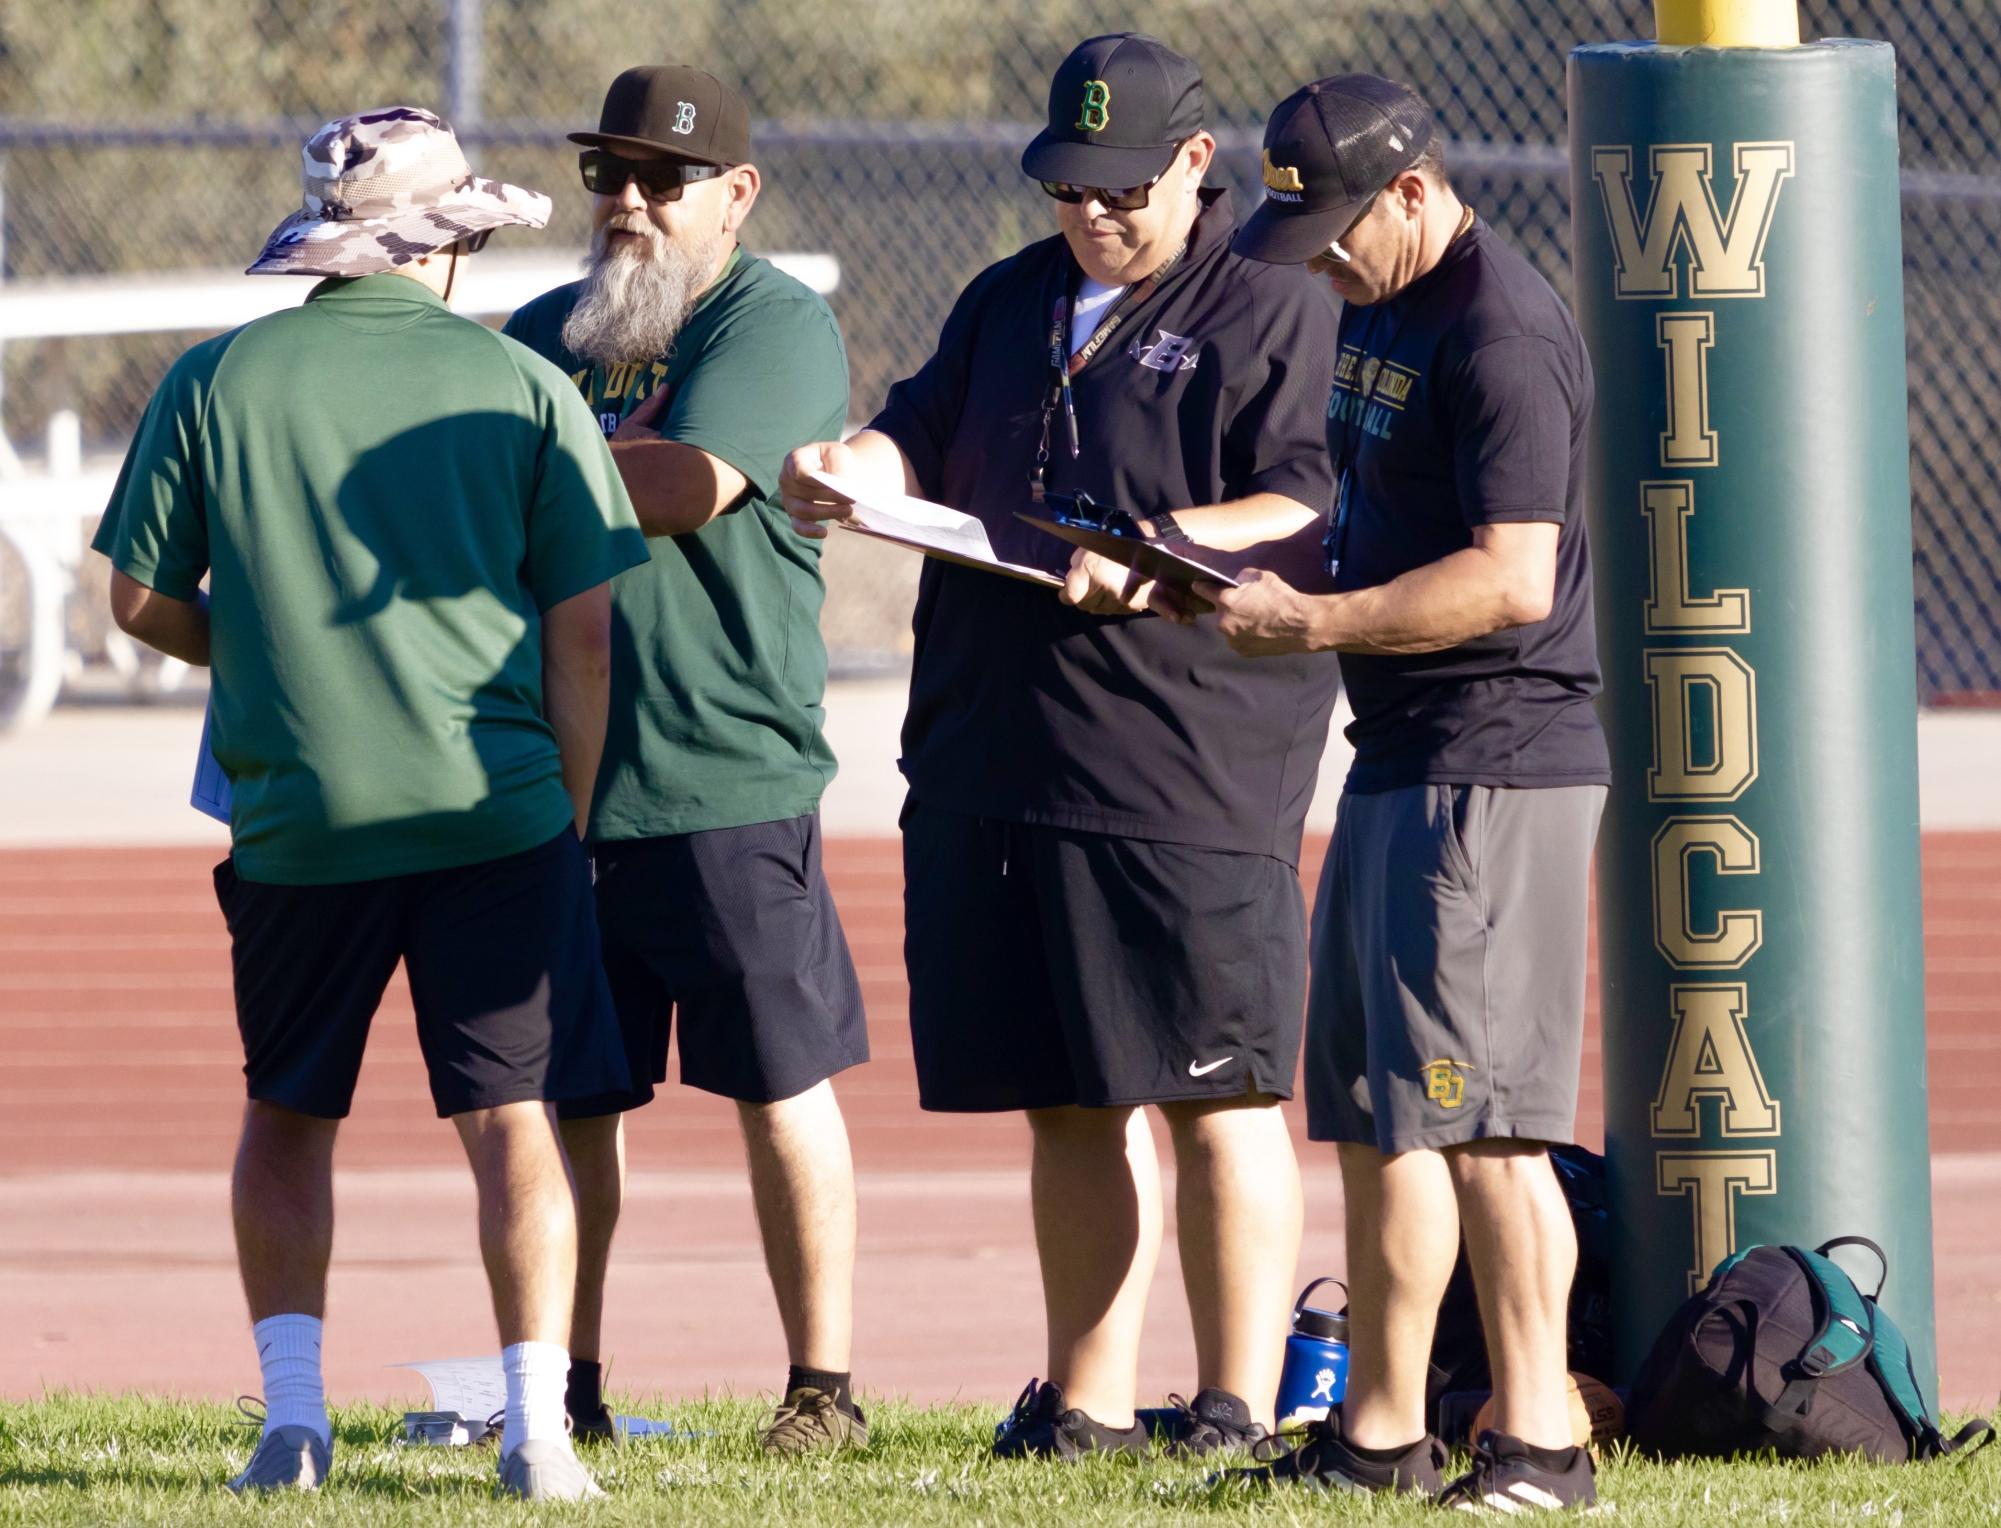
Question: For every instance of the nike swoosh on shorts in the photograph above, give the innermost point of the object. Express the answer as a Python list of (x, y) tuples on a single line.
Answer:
[(1204, 1071)]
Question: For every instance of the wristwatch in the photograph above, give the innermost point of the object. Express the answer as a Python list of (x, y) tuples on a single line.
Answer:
[(1164, 527)]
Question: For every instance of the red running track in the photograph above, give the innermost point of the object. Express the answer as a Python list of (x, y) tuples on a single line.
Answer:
[(118, 1109), (122, 1051)]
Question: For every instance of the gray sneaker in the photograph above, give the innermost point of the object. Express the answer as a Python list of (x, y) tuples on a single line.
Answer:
[(546, 1469), (288, 1458)]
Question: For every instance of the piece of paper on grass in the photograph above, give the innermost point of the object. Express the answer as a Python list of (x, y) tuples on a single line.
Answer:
[(475, 1388)]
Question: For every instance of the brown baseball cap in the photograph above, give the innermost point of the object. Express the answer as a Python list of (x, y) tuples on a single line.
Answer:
[(672, 109)]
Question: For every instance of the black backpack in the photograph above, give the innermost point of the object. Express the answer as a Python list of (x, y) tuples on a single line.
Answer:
[(1782, 1353)]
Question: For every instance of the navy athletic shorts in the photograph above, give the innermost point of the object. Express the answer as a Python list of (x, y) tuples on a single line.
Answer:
[(1051, 967), (732, 935), (504, 972)]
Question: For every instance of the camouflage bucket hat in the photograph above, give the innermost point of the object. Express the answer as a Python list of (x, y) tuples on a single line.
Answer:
[(382, 188)]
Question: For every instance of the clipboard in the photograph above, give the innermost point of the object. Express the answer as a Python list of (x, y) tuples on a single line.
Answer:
[(1149, 559), (933, 529), (211, 795)]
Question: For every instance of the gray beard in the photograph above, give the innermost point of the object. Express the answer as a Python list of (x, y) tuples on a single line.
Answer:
[(635, 300)]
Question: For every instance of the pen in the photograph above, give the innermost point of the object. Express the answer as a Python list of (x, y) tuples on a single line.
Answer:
[(1070, 419)]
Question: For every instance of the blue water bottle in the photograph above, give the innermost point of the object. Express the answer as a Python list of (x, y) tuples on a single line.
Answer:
[(1315, 1376)]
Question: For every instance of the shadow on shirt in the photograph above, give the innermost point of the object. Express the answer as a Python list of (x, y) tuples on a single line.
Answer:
[(413, 704)]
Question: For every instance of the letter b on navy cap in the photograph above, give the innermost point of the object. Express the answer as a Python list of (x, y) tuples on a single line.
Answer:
[(1118, 107)]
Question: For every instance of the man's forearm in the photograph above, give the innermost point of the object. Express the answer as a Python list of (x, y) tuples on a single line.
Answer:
[(576, 689), (578, 711), (1463, 595), (884, 464), (674, 488), (1240, 524), (178, 628)]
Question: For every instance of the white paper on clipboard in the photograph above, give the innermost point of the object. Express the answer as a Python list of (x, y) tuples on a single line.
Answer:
[(212, 794), (932, 529)]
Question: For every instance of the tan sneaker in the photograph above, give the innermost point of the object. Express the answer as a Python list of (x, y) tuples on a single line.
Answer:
[(810, 1422)]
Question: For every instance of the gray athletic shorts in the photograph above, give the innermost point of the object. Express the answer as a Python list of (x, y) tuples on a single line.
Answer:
[(1448, 949)]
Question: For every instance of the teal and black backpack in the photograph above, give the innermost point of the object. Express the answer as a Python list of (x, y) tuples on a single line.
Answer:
[(1782, 1352)]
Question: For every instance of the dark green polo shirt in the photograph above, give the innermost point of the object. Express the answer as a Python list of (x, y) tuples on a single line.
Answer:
[(719, 672), (384, 497)]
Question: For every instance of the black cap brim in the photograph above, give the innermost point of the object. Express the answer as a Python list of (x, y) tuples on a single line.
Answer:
[(639, 148), (1093, 164), (1282, 235)]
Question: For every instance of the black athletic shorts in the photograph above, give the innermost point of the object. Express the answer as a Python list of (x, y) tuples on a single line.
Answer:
[(733, 934), (1051, 967), (503, 962)]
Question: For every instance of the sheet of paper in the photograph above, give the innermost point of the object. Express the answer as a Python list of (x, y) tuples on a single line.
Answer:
[(211, 795), (930, 528), (473, 1387)]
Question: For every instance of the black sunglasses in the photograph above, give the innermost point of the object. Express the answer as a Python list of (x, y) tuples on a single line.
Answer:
[(1118, 198), (473, 243), (660, 180)]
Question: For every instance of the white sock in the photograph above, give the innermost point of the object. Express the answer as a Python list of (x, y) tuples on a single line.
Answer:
[(295, 1394), (537, 1373)]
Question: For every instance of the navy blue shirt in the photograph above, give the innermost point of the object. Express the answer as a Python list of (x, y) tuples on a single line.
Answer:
[(1027, 710), (1462, 402)]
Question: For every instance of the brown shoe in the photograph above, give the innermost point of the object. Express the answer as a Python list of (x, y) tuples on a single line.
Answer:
[(810, 1422)]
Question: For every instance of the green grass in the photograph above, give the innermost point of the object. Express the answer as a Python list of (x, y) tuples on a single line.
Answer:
[(74, 1459)]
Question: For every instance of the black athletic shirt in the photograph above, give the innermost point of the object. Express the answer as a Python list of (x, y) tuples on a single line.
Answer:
[(1026, 710), (1461, 402)]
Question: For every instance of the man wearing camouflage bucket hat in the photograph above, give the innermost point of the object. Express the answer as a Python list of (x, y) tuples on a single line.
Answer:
[(385, 188), (407, 523)]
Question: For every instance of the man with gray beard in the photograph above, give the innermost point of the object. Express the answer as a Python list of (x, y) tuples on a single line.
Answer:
[(705, 366)]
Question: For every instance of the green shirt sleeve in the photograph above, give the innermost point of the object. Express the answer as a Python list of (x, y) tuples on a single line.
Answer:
[(154, 529), (767, 382), (581, 529)]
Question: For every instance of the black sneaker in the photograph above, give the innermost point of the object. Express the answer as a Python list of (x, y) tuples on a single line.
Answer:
[(1040, 1426), (1505, 1479), (591, 1420), (1214, 1421), (596, 1425), (1326, 1462)]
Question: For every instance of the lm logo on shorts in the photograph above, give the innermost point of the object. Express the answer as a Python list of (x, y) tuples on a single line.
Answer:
[(1445, 1081), (1171, 352)]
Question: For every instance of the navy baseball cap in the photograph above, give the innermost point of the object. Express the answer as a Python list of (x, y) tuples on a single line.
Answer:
[(1329, 147), (1118, 107)]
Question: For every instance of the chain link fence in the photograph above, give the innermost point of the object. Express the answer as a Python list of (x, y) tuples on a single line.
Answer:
[(146, 135)]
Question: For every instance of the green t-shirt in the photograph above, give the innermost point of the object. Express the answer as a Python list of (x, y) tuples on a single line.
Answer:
[(718, 668), (384, 497)]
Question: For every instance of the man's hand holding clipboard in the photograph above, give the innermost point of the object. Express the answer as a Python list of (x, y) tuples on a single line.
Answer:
[(1116, 537)]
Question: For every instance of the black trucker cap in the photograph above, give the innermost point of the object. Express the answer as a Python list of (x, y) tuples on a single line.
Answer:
[(1117, 108), (1329, 147), (672, 109)]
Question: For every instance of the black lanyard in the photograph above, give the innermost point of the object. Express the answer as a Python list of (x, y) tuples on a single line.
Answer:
[(1062, 366)]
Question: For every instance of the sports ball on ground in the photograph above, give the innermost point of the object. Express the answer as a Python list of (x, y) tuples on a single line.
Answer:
[(1597, 1415)]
